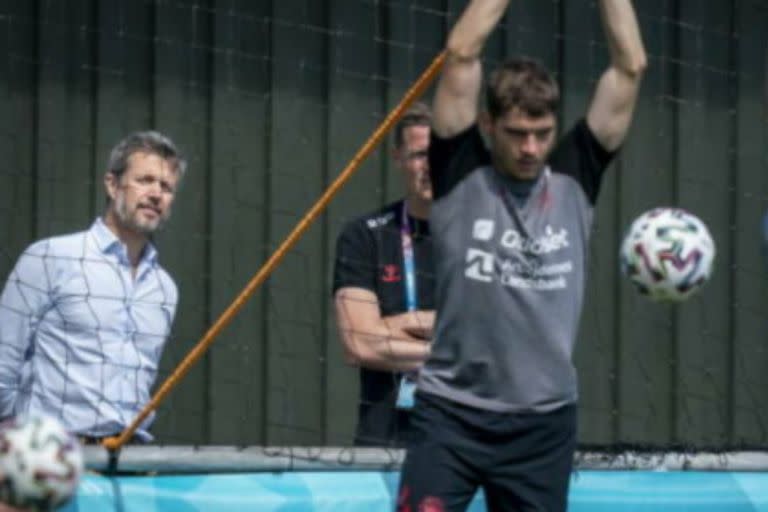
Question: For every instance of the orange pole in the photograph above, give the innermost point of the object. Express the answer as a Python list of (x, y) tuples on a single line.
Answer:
[(416, 90)]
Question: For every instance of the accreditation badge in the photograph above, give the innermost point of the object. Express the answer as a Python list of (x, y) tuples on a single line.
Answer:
[(407, 390)]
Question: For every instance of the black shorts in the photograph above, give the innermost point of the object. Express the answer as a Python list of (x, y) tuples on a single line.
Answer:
[(522, 461)]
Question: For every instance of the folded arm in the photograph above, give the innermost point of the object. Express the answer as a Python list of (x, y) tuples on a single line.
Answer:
[(393, 343)]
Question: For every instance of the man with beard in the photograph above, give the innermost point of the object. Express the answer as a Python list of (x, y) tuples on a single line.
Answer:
[(384, 291), (84, 317)]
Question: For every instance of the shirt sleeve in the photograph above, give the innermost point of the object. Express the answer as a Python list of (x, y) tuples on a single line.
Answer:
[(170, 297), (24, 299), (453, 159), (356, 261), (580, 155)]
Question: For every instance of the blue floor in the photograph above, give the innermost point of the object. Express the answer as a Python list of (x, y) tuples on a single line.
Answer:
[(591, 491)]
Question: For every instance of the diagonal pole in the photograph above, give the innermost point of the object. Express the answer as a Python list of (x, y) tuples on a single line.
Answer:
[(416, 90)]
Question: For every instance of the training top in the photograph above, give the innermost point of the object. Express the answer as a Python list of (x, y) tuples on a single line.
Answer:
[(369, 255), (510, 264)]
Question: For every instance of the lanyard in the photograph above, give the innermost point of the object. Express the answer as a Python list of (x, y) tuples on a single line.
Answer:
[(409, 264), (407, 388), (515, 211)]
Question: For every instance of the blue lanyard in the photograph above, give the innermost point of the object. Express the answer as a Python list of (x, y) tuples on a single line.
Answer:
[(409, 264)]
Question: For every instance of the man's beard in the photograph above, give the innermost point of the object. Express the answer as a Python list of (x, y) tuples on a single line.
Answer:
[(132, 221), (511, 166)]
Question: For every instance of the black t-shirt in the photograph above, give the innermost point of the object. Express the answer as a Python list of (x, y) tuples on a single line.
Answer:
[(577, 154), (369, 255)]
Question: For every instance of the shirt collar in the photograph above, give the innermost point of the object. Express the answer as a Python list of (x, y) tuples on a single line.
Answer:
[(108, 243)]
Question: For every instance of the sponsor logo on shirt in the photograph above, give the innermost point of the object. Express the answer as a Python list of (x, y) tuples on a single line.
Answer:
[(517, 262), (390, 273), (483, 229), (550, 241), (479, 265), (381, 220)]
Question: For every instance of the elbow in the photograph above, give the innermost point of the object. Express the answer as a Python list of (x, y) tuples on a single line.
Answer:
[(355, 353), (461, 51), (636, 65), (639, 65), (352, 357)]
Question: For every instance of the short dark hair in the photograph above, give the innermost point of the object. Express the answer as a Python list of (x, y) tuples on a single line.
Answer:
[(151, 142), (417, 114), (523, 83)]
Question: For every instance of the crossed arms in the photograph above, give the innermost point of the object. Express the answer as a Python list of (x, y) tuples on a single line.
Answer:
[(395, 343)]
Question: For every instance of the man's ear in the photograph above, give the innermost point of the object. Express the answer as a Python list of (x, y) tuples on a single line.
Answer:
[(111, 185)]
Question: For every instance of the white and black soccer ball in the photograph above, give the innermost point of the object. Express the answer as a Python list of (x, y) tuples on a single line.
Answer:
[(40, 463), (668, 254)]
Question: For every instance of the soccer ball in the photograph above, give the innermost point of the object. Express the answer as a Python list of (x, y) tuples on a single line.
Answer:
[(40, 463), (668, 254)]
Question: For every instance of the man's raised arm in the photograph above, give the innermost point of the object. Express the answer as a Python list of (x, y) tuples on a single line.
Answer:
[(610, 113), (456, 96)]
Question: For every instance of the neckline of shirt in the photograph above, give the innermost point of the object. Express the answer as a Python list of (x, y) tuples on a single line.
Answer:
[(107, 242)]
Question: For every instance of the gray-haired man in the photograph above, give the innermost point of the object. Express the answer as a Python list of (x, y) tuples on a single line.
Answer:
[(84, 317)]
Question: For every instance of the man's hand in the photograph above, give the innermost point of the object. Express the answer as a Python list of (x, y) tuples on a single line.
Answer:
[(423, 326)]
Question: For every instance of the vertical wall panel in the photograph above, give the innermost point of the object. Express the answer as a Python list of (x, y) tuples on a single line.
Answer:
[(239, 180), (65, 179), (123, 69), (534, 29), (749, 350), (355, 108), (644, 340), (182, 111), (295, 399), (705, 133), (18, 77)]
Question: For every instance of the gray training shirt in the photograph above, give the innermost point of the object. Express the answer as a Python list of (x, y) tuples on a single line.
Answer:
[(510, 273)]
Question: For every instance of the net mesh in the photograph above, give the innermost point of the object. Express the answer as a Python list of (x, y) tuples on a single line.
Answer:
[(269, 100)]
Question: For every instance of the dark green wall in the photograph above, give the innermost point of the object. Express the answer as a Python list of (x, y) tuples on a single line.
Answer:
[(270, 99)]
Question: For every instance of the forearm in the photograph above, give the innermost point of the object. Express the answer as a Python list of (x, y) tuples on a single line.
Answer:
[(476, 23), (623, 36), (377, 342), (417, 323), (384, 349), (455, 102)]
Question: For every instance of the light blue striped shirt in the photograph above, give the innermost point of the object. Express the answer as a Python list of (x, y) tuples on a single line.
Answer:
[(80, 335)]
